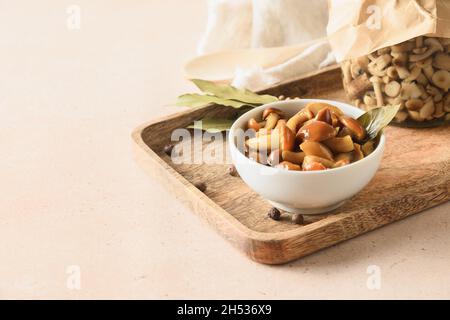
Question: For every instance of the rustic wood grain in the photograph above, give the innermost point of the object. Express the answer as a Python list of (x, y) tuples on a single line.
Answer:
[(414, 175)]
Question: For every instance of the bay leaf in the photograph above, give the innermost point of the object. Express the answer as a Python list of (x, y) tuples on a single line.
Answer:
[(212, 125), (228, 92), (375, 120), (198, 100)]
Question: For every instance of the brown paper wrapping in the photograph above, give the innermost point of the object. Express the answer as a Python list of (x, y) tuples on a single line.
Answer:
[(359, 27)]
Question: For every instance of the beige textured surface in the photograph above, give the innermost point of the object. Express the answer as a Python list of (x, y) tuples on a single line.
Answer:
[(71, 193)]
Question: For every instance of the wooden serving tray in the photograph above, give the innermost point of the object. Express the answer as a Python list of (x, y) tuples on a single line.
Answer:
[(414, 175)]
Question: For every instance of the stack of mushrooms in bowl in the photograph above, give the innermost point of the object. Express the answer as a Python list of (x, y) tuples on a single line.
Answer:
[(308, 156), (318, 137)]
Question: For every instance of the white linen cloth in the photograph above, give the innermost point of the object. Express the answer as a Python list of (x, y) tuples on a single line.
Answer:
[(239, 24)]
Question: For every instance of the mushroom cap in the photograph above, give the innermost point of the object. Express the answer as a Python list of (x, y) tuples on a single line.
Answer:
[(253, 124), (441, 79), (315, 107), (286, 137), (313, 148), (269, 111), (392, 89), (292, 156), (354, 126), (340, 144), (299, 119), (325, 115), (316, 131), (433, 42), (433, 45), (402, 47), (442, 61)]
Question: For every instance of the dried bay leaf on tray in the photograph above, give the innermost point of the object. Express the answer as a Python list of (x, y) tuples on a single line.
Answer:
[(197, 100), (228, 92)]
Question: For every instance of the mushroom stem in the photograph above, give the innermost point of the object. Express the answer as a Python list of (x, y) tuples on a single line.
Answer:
[(271, 120), (376, 82)]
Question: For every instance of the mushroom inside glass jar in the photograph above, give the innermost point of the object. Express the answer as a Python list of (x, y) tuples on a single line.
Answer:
[(318, 137), (414, 74)]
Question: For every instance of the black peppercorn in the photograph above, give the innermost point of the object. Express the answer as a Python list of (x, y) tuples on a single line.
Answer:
[(168, 149), (297, 218), (274, 214), (232, 171), (200, 186)]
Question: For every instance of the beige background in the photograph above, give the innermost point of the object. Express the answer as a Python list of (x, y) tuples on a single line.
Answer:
[(71, 193)]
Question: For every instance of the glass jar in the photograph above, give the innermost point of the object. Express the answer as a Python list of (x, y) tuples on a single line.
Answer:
[(414, 74)]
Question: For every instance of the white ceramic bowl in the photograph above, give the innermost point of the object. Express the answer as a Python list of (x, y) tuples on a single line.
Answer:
[(305, 192)]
